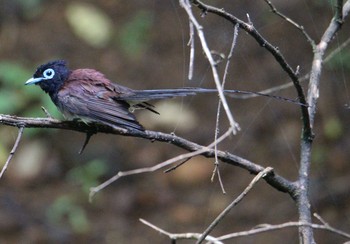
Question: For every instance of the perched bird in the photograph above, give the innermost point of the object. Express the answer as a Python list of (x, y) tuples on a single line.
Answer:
[(88, 95)]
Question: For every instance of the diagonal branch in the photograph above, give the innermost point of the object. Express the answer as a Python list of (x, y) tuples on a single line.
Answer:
[(14, 148), (262, 174), (250, 29), (292, 22), (276, 181)]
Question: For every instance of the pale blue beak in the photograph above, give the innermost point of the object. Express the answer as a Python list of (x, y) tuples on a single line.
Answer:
[(32, 81)]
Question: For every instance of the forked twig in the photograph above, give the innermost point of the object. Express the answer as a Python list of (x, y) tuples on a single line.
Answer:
[(262, 174), (187, 6), (178, 236), (166, 163), (289, 20)]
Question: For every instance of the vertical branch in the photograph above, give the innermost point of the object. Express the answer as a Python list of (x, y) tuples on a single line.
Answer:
[(191, 44), (234, 41), (186, 5), (306, 232)]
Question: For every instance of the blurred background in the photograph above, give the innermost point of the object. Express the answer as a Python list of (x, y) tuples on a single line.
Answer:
[(143, 45)]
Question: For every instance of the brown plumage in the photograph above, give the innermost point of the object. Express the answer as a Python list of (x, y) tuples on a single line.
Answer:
[(88, 95)]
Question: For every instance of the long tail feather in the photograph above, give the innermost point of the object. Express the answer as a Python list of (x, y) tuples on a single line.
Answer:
[(146, 95)]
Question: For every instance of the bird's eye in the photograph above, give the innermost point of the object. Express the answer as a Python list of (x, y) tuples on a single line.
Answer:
[(49, 74)]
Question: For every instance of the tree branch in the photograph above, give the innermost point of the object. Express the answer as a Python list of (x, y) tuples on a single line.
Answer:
[(14, 148), (306, 233), (273, 179)]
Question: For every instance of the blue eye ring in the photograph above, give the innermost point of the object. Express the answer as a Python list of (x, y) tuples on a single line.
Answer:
[(48, 74)]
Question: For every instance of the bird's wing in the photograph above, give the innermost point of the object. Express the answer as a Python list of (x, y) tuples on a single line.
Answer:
[(93, 107)]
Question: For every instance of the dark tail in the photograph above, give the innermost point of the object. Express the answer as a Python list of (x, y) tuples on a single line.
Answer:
[(147, 95)]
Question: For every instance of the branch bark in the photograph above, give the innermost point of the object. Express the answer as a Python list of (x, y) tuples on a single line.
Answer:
[(276, 181)]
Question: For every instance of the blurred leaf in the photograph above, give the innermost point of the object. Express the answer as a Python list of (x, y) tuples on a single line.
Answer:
[(333, 128), (89, 23), (134, 35), (88, 175), (319, 155), (63, 209), (13, 74), (30, 8), (10, 101), (340, 60)]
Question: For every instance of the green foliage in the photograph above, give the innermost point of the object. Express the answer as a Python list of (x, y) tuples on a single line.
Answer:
[(12, 78), (88, 175), (134, 35), (333, 128), (64, 209)]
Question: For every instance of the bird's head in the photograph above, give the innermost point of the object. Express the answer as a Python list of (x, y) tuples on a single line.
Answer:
[(50, 76)]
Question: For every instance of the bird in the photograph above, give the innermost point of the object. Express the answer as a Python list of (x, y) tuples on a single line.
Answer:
[(86, 94)]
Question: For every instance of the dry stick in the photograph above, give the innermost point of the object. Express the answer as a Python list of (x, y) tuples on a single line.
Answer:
[(216, 167), (257, 230), (262, 174), (301, 79), (14, 148), (178, 236), (276, 181), (306, 232), (186, 5), (184, 156), (289, 20), (192, 51), (268, 227), (274, 51)]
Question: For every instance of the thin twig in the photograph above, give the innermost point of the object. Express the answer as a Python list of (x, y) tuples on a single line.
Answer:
[(192, 51), (46, 112), (14, 148), (178, 236), (182, 157), (267, 227), (274, 51), (187, 6), (216, 166), (262, 174), (304, 78), (292, 22)]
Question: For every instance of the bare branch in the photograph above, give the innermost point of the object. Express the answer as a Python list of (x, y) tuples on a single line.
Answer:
[(192, 51), (306, 233), (267, 227), (14, 148), (292, 22), (262, 174), (249, 28), (185, 4), (216, 167), (180, 236), (275, 180)]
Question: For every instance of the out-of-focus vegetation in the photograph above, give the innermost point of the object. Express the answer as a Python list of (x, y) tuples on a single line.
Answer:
[(142, 44)]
